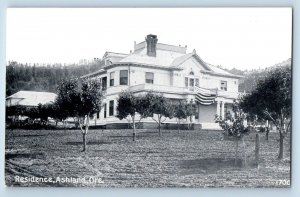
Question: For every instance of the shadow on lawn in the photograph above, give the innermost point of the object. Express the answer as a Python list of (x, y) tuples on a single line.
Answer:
[(30, 135), (88, 143), (37, 155), (209, 165)]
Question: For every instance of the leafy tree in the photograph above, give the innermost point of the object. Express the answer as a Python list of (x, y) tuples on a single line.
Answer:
[(252, 77), (159, 106), (80, 100), (51, 110), (32, 113), (190, 109), (58, 114), (128, 107), (235, 128), (179, 111), (272, 100), (15, 112), (44, 112), (145, 102)]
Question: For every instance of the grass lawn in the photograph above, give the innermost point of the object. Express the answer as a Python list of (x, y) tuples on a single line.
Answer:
[(185, 159)]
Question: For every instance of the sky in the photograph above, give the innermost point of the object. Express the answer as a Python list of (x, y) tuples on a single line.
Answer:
[(244, 38)]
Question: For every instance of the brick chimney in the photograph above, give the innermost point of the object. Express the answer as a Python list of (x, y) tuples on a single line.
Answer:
[(151, 41)]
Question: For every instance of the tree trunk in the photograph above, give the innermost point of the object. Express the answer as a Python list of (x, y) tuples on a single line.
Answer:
[(84, 141), (65, 125), (267, 134), (159, 131), (133, 121), (236, 152), (244, 147), (178, 125), (280, 156), (84, 132), (257, 145)]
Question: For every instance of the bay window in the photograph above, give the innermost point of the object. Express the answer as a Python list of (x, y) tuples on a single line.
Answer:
[(149, 77), (112, 79), (123, 77)]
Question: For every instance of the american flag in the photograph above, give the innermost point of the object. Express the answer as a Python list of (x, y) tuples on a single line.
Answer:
[(205, 96)]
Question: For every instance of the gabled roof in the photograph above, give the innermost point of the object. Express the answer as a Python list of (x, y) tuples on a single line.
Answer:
[(113, 54), (180, 60), (221, 72), (93, 73), (169, 57), (163, 58), (33, 98)]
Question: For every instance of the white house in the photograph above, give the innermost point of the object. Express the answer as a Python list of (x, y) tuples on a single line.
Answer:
[(170, 70)]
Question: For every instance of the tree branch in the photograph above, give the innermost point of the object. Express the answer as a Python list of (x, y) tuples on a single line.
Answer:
[(80, 125), (155, 120), (272, 119), (163, 120), (288, 127)]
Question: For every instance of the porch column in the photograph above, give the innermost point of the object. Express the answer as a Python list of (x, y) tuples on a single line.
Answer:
[(198, 112), (223, 109), (218, 108), (193, 116)]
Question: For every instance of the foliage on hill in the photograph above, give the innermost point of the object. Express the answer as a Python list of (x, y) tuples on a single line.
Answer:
[(252, 77), (41, 77)]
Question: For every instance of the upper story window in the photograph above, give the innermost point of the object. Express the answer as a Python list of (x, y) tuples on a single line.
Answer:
[(112, 79), (149, 77), (123, 77), (111, 108), (197, 82), (191, 82), (104, 83), (186, 82), (223, 85)]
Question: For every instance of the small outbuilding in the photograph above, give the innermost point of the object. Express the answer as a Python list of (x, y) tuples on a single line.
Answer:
[(30, 98)]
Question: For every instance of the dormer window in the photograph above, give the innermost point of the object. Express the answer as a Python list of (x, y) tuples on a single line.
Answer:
[(191, 73)]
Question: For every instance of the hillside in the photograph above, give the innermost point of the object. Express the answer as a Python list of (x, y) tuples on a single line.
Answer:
[(252, 77), (43, 77)]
